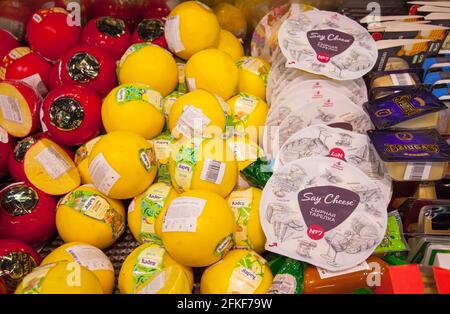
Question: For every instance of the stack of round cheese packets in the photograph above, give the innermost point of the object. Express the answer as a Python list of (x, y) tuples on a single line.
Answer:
[(326, 201)]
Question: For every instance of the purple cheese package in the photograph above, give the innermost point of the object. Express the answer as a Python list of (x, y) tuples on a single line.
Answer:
[(394, 110)]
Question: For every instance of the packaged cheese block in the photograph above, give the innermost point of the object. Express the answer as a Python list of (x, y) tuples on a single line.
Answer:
[(144, 210), (82, 159), (191, 27), (246, 151), (206, 164), (411, 109), (160, 74), (253, 72), (122, 165), (212, 70), (249, 115), (19, 108), (248, 233), (325, 141), (134, 108), (323, 211), (327, 43), (49, 168), (101, 218), (71, 115), (412, 155), (47, 279), (231, 45), (240, 272), (197, 228), (26, 214), (390, 82), (197, 112), (88, 256), (231, 19), (365, 275), (149, 269)]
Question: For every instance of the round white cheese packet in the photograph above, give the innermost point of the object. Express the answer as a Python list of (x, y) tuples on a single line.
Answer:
[(327, 43), (324, 141), (323, 211)]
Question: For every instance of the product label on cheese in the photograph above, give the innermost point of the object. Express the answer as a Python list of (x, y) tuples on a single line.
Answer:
[(324, 274), (192, 121), (53, 162), (173, 35), (283, 284), (415, 146), (4, 138), (191, 83), (36, 82), (151, 205), (224, 246), (32, 283), (103, 174), (401, 79), (241, 204), (417, 171), (182, 214), (148, 264), (93, 205), (135, 93), (323, 211), (403, 106), (255, 66), (185, 163), (213, 171), (83, 151), (156, 284), (90, 257), (327, 43), (9, 106), (247, 275)]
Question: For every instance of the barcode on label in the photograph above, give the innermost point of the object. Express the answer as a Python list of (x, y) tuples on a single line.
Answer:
[(417, 171), (173, 36), (52, 162), (213, 171), (402, 79), (10, 109)]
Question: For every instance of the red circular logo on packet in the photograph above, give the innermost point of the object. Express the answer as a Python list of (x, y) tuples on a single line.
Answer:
[(337, 153), (316, 232), (323, 57)]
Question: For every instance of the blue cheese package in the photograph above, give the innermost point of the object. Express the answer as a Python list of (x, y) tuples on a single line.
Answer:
[(412, 155), (413, 108)]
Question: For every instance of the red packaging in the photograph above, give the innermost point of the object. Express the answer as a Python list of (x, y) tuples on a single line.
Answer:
[(8, 41), (152, 31)]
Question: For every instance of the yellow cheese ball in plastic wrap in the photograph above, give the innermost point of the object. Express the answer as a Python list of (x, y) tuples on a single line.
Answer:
[(240, 272), (199, 111), (212, 70), (231, 19), (206, 236), (248, 233), (122, 165), (231, 45), (88, 256), (249, 114), (134, 108), (88, 216), (205, 164), (82, 159), (149, 64), (60, 278), (149, 269), (253, 72), (191, 27), (145, 209)]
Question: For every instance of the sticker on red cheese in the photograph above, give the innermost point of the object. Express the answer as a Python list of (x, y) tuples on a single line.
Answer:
[(182, 214), (325, 141), (323, 211), (327, 43)]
